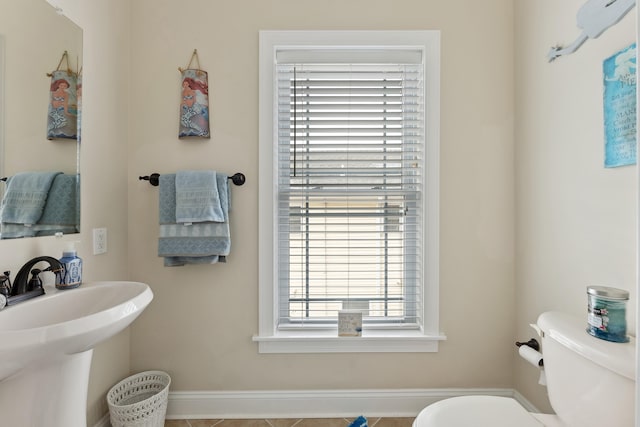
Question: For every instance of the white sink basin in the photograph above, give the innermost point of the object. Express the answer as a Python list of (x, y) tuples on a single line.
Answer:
[(46, 345)]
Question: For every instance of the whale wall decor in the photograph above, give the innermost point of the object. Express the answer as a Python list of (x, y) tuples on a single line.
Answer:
[(594, 17)]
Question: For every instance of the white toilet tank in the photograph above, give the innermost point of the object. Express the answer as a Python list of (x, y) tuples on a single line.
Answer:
[(590, 382)]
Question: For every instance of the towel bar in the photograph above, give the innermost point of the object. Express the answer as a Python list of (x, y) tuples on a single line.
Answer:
[(237, 178)]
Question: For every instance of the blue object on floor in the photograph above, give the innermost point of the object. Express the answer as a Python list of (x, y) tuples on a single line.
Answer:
[(359, 422)]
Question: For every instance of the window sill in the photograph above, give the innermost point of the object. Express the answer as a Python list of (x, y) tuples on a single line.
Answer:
[(382, 341)]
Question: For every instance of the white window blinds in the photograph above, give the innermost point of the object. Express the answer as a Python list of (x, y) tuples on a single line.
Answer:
[(350, 183)]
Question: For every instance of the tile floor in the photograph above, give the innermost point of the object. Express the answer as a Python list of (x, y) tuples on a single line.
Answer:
[(290, 422)]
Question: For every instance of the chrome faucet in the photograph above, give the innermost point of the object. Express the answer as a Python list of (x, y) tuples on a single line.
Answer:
[(24, 288)]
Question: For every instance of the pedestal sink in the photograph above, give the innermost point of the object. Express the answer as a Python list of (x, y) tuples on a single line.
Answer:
[(46, 346)]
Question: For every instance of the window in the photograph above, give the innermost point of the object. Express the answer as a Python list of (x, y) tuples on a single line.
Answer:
[(349, 190)]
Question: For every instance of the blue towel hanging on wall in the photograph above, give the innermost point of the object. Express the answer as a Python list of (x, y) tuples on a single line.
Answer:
[(203, 242)]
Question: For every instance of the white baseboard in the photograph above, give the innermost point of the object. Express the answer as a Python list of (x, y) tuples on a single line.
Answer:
[(316, 404), (525, 402)]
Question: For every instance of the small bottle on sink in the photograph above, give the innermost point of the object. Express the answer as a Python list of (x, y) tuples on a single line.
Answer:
[(71, 275)]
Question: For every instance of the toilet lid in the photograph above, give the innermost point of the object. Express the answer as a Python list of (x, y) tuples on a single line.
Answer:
[(476, 411)]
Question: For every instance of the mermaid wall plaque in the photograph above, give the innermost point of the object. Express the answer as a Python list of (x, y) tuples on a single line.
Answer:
[(194, 102), (63, 104)]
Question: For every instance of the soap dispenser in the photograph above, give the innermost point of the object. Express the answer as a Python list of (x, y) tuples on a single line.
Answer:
[(71, 276)]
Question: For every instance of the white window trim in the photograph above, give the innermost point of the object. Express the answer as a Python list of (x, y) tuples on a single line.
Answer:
[(2, 112), (269, 339)]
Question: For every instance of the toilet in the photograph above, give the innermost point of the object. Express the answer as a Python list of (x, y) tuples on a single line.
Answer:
[(590, 382)]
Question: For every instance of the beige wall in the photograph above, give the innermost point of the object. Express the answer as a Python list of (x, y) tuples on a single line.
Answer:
[(104, 171), (200, 324), (104, 176), (576, 220), (31, 51)]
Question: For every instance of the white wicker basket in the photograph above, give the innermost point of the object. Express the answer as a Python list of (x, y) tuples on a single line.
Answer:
[(139, 400)]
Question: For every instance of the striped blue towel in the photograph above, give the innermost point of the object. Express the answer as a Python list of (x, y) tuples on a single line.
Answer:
[(197, 197), (25, 197), (205, 242)]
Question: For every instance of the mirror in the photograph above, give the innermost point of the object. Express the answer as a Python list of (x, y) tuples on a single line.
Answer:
[(33, 39)]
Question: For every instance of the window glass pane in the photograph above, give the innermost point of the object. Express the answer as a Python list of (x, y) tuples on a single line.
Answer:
[(350, 182)]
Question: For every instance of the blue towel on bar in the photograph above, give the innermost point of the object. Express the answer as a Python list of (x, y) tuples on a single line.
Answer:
[(62, 202), (25, 197), (15, 231), (199, 243), (61, 212), (197, 197)]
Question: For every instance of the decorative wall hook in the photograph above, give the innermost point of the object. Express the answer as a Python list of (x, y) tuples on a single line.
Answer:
[(65, 57), (194, 55), (594, 17)]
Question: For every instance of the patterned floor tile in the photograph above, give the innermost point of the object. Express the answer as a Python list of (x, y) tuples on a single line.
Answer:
[(283, 422), (243, 423), (323, 422), (393, 422), (290, 422), (204, 423)]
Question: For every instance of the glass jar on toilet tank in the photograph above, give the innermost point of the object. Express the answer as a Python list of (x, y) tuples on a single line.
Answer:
[(607, 313)]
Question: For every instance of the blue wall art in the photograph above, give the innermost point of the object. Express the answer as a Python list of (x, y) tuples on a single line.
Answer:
[(620, 108)]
